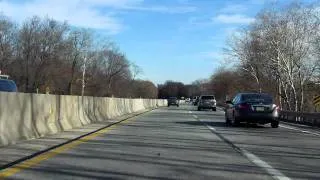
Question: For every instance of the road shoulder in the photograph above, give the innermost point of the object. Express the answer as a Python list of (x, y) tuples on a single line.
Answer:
[(23, 150)]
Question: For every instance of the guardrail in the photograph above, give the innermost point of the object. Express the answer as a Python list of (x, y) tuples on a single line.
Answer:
[(311, 119)]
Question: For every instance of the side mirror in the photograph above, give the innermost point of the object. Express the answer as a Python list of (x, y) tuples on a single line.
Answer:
[(229, 102)]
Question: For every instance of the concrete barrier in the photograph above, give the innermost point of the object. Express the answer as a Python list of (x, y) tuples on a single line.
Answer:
[(27, 116)]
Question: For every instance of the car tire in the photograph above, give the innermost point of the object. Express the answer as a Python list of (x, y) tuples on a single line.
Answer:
[(199, 109), (275, 124), (214, 109), (177, 105)]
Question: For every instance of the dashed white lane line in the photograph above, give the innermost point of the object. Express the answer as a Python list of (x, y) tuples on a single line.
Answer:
[(274, 173), (296, 129), (257, 161), (210, 127)]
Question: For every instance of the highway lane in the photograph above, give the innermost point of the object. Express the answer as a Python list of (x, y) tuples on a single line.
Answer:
[(293, 151), (171, 143)]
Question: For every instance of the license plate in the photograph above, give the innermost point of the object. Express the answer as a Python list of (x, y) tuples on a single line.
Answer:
[(259, 109)]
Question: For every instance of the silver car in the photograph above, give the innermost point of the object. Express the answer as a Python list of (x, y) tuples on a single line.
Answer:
[(207, 102), (252, 108)]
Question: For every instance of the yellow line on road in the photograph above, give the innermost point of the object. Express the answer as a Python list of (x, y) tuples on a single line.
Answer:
[(47, 155)]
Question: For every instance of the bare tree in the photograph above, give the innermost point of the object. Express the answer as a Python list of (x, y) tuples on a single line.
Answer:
[(136, 70), (279, 47), (115, 64), (79, 43), (45, 55), (8, 32)]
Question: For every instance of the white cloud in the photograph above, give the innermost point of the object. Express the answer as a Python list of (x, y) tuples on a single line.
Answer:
[(163, 9), (83, 13), (230, 30), (233, 19), (137, 5), (234, 8), (113, 3), (75, 12)]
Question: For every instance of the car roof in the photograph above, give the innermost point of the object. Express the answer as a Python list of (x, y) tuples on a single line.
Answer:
[(7, 80), (8, 85), (254, 94), (258, 94)]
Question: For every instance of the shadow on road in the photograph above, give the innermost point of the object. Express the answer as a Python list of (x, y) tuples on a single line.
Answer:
[(199, 123), (219, 124), (209, 114), (178, 108)]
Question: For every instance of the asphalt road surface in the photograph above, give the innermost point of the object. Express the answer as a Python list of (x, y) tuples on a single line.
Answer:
[(182, 143)]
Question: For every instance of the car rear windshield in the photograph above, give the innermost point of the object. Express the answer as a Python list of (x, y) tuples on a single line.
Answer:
[(257, 98), (207, 97), (8, 86)]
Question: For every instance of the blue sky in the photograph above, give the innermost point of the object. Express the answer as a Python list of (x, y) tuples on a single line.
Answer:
[(179, 40)]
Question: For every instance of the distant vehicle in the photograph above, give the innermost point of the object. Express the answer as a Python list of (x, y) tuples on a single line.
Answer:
[(188, 100), (7, 85), (207, 102), (252, 108), (173, 101), (195, 100)]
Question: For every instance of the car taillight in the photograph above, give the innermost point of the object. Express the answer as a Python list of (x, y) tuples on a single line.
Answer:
[(244, 106)]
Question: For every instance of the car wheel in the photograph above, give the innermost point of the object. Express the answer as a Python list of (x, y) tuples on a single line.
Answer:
[(214, 109), (199, 109), (275, 124), (177, 105)]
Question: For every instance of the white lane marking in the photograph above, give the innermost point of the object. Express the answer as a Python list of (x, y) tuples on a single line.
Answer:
[(276, 174), (212, 128), (190, 112), (296, 129), (208, 126), (287, 127), (257, 161), (195, 116)]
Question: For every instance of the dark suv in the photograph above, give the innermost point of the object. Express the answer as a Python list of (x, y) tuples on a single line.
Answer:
[(252, 108), (173, 101)]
